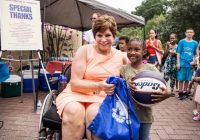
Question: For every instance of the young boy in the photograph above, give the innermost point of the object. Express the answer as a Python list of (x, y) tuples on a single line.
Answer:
[(123, 41), (186, 51)]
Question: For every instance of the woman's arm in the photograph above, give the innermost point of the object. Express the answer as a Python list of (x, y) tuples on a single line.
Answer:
[(159, 49), (166, 49)]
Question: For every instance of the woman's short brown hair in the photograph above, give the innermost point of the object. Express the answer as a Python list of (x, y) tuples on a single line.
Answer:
[(103, 23)]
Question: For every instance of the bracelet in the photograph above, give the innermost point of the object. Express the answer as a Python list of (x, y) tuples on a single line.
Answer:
[(97, 89)]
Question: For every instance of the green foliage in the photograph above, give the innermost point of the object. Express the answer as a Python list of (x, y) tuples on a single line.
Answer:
[(183, 14), (131, 32), (149, 8)]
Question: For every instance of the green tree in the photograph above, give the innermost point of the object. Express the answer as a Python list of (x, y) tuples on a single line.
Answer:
[(149, 8), (183, 14)]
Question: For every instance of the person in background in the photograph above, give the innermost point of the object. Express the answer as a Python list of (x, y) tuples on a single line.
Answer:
[(145, 59), (79, 102), (116, 43), (153, 45), (186, 52), (89, 37), (170, 62), (136, 49), (197, 88), (195, 65), (123, 41)]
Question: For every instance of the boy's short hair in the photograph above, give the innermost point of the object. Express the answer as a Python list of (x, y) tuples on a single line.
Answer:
[(124, 38), (190, 29)]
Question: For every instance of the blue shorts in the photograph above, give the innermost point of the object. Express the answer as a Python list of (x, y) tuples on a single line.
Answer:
[(152, 59), (184, 74)]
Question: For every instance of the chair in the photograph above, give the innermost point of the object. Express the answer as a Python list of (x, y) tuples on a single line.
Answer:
[(50, 122)]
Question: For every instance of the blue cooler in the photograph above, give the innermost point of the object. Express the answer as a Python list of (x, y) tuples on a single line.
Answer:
[(53, 81), (27, 81)]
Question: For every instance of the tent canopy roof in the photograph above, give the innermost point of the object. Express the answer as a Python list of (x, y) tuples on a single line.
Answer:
[(76, 14)]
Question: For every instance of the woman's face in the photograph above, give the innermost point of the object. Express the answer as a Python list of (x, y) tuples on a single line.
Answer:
[(152, 34), (104, 40), (172, 39)]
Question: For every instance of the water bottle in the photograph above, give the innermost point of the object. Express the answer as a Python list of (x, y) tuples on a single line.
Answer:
[(62, 83), (39, 107)]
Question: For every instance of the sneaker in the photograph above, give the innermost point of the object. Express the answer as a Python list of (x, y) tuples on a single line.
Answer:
[(197, 118), (195, 112), (187, 96), (180, 96)]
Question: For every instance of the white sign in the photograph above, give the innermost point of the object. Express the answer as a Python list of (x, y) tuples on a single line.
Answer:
[(20, 25)]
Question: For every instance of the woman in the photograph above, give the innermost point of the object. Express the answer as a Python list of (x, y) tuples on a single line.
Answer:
[(78, 104), (89, 37), (153, 45), (170, 62)]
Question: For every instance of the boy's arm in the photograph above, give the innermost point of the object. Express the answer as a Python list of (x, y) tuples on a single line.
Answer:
[(197, 52), (178, 51), (197, 79), (197, 75), (178, 60)]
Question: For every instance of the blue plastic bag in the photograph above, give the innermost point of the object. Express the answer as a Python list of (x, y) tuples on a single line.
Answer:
[(4, 72), (116, 119)]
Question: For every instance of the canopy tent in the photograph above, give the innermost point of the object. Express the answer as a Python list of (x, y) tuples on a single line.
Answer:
[(76, 14)]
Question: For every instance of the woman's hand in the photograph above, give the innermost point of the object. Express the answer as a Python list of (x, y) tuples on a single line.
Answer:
[(160, 96), (172, 53), (107, 88), (168, 44), (131, 85), (151, 44)]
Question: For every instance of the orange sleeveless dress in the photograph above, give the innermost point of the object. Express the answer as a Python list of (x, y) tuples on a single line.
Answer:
[(99, 67)]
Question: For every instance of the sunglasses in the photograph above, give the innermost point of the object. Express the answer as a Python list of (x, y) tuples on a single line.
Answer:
[(93, 18)]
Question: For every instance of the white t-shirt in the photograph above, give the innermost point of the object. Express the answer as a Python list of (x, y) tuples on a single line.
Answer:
[(89, 37), (125, 54)]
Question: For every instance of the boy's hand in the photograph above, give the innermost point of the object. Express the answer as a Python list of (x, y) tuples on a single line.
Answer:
[(160, 96), (178, 66)]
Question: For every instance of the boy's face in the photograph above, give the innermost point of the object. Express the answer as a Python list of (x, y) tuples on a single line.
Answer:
[(122, 45), (189, 33)]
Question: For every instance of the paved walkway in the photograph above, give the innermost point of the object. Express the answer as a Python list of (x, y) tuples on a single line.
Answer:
[(173, 119)]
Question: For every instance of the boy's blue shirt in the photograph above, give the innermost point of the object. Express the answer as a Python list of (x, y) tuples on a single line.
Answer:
[(187, 51)]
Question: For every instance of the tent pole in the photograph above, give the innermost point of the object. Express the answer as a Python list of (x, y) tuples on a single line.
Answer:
[(144, 33), (43, 19)]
